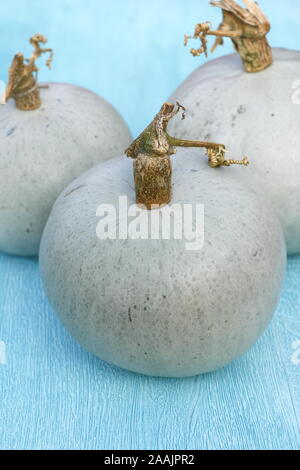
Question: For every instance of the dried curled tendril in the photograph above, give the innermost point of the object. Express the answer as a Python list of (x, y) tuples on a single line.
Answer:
[(201, 31), (216, 157)]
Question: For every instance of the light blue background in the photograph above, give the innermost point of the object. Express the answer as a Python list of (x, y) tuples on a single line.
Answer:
[(52, 393)]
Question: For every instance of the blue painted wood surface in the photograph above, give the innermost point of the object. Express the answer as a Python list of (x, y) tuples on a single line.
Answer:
[(52, 393)]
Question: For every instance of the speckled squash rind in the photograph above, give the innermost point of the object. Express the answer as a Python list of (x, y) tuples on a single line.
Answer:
[(256, 115), (151, 306), (42, 151)]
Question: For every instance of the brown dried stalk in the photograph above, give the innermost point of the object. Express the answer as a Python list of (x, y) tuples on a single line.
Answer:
[(23, 76), (151, 152), (246, 27)]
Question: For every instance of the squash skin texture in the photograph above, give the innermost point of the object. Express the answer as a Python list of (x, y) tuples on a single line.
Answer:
[(42, 151), (253, 114), (151, 306)]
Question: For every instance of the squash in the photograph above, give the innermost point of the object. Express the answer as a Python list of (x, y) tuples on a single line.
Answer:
[(154, 299), (253, 110), (49, 135)]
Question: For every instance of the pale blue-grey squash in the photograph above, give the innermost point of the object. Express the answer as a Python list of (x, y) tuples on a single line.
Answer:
[(42, 151), (257, 114), (152, 306)]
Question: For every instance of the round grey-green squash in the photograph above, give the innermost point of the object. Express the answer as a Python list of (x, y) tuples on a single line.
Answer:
[(42, 151), (257, 114), (152, 306)]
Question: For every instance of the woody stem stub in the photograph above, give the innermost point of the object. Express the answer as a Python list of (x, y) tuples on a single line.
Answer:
[(256, 54), (153, 181), (29, 99)]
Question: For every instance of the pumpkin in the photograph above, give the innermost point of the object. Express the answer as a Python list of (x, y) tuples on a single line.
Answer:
[(49, 135), (172, 305), (251, 104)]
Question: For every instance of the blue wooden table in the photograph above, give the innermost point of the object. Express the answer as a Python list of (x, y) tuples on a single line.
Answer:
[(53, 394)]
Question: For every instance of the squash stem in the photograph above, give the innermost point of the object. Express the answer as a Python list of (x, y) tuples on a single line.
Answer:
[(152, 166), (23, 74), (246, 27)]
